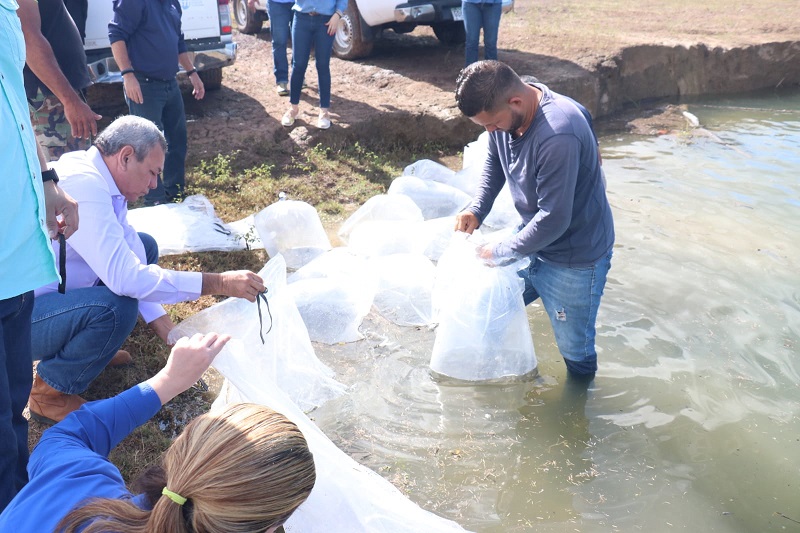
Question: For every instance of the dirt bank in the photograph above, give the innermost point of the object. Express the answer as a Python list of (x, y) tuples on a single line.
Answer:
[(608, 54)]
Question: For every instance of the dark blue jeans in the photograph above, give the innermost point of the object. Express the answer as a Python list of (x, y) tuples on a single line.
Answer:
[(310, 31), (477, 16), (76, 334), (163, 104), (280, 24), (16, 375), (571, 297)]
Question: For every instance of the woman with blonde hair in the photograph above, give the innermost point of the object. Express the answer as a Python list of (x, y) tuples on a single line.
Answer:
[(245, 469)]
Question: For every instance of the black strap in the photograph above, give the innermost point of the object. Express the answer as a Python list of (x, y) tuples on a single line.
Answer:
[(259, 297), (62, 263)]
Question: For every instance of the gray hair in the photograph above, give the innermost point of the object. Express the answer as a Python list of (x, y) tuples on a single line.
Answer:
[(137, 132)]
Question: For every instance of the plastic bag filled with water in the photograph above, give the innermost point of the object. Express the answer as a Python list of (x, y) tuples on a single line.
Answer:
[(405, 282), (293, 229), (381, 207), (434, 199), (483, 332)]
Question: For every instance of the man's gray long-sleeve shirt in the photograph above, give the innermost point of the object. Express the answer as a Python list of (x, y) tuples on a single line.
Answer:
[(555, 178)]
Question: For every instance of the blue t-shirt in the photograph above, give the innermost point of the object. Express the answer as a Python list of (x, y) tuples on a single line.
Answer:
[(70, 464), (556, 181), (152, 33)]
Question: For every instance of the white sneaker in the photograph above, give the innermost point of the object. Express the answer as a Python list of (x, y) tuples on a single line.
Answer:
[(288, 118), (324, 121), (282, 89)]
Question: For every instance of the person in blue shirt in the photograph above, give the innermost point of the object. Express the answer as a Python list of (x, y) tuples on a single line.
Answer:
[(481, 14), (542, 144), (28, 210), (147, 44), (246, 468), (280, 14), (315, 23)]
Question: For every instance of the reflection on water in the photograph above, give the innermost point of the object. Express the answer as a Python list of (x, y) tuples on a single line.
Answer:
[(692, 421)]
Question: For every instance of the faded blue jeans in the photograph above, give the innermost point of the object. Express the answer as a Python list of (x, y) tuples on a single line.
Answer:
[(76, 334), (571, 297), (163, 105), (280, 24), (16, 375), (476, 16), (310, 31)]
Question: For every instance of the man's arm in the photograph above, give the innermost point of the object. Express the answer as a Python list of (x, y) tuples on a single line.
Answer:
[(57, 202), (129, 82), (198, 89), (42, 61)]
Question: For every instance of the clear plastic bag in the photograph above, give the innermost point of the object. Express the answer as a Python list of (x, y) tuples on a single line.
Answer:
[(483, 332), (190, 226), (434, 199), (381, 207), (286, 357), (405, 282), (293, 229)]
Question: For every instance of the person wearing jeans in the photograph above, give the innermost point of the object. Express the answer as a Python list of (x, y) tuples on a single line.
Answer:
[(481, 14), (315, 24), (543, 145), (28, 208), (147, 44), (111, 270), (76, 335), (280, 24)]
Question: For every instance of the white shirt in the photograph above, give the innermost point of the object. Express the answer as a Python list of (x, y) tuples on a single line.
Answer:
[(106, 248)]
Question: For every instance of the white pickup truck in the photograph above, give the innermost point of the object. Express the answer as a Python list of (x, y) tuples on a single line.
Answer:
[(364, 20), (206, 26)]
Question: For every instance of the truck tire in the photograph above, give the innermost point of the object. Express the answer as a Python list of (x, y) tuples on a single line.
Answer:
[(450, 33), (212, 78), (246, 21), (349, 41)]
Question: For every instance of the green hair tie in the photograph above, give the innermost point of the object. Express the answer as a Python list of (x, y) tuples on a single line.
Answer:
[(174, 496)]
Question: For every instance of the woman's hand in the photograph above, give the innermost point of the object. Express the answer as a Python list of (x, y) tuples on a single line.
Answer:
[(333, 23)]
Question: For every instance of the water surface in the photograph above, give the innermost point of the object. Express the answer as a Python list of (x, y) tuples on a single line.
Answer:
[(692, 422)]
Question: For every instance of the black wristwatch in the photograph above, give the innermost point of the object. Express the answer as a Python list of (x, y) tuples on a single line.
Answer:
[(49, 175)]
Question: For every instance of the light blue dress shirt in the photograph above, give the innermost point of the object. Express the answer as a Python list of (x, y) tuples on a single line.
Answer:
[(26, 259)]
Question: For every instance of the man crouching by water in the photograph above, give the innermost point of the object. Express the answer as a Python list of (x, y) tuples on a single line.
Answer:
[(112, 275), (542, 143)]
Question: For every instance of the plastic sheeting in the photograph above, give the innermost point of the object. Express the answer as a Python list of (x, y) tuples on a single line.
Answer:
[(190, 226), (293, 229), (483, 331), (286, 357)]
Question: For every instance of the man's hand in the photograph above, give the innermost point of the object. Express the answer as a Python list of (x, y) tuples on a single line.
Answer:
[(198, 89), (467, 222), (235, 283), (57, 202), (251, 6), (132, 88), (81, 118), (187, 362)]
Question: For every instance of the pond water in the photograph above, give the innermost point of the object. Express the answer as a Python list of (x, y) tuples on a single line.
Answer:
[(693, 421)]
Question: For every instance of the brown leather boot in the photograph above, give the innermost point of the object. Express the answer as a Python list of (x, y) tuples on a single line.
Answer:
[(48, 406), (121, 358)]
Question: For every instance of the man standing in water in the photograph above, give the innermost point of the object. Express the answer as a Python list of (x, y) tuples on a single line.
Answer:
[(543, 145)]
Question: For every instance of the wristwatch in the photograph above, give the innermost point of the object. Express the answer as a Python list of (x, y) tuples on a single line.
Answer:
[(339, 12), (49, 175)]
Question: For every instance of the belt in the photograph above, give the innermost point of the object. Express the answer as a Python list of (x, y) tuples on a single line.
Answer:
[(151, 78)]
